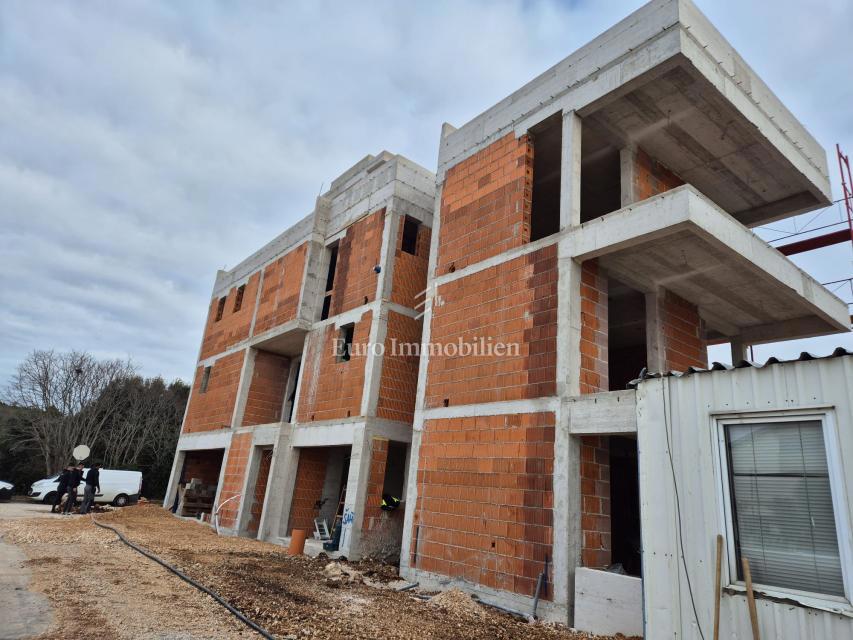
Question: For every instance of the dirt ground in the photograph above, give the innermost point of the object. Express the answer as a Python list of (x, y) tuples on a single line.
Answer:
[(100, 587)]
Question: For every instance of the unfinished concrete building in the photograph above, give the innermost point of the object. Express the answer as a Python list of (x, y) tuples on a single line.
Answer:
[(599, 217), (589, 229), (286, 422)]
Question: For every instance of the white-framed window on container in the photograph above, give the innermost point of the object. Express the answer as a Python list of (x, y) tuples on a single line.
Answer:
[(784, 505)]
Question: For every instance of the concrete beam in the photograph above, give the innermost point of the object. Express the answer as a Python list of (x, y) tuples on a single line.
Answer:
[(603, 414)]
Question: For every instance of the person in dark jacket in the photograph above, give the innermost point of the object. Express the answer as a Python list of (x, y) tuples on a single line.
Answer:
[(74, 481), (62, 487), (93, 486)]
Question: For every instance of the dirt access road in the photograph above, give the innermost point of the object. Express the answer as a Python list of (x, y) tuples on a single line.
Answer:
[(99, 587)]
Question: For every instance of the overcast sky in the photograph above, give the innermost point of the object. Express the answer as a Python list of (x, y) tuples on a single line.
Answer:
[(144, 145)]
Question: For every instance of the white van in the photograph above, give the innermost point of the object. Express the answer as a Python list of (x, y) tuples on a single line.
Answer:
[(118, 487)]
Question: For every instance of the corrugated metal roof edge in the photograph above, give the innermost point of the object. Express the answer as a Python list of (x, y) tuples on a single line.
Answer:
[(719, 366)]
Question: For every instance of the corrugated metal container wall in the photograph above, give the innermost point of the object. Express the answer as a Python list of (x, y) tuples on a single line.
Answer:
[(682, 495)]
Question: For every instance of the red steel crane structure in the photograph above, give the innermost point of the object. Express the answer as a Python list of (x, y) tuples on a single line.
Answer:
[(829, 238)]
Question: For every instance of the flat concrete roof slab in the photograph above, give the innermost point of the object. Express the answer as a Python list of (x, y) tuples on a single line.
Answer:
[(665, 79)]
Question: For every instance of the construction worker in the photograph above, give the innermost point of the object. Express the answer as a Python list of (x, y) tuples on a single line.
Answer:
[(93, 487), (389, 502), (74, 480), (62, 487)]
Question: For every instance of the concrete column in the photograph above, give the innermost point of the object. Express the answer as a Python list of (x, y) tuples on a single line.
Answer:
[(566, 512), (246, 374), (567, 507), (570, 171), (282, 480), (290, 387), (655, 350), (627, 175), (174, 477), (248, 493), (359, 470), (316, 263), (739, 350)]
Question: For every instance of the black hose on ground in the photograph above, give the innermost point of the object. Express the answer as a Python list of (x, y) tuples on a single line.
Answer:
[(236, 613)]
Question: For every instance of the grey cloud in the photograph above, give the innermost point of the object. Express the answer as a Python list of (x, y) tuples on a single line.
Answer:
[(143, 145)]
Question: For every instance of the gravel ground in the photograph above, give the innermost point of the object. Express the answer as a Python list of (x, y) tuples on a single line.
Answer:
[(99, 585)]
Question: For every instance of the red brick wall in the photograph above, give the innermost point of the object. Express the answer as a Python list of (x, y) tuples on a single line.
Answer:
[(266, 389), (651, 177), (260, 492), (485, 499), (234, 325), (486, 203), (410, 271), (232, 482), (595, 501), (593, 376), (332, 389), (213, 409), (375, 482), (595, 450), (514, 302), (399, 384), (204, 465), (310, 477), (682, 329), (279, 302), (358, 252)]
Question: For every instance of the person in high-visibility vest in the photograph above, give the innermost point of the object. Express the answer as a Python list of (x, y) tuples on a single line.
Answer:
[(389, 502)]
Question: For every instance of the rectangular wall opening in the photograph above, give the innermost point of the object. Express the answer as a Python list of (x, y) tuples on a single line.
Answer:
[(395, 470), (547, 153), (199, 482), (320, 489), (626, 339), (410, 235), (625, 505), (601, 183)]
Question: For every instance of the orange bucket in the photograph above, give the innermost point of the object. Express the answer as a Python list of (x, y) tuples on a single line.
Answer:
[(297, 542)]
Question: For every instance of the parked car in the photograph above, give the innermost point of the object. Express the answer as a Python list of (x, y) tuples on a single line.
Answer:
[(117, 487), (6, 491)]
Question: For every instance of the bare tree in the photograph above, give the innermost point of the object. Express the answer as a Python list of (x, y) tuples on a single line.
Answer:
[(71, 393), (147, 424)]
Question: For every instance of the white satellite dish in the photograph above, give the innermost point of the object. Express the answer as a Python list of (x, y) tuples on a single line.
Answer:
[(81, 452)]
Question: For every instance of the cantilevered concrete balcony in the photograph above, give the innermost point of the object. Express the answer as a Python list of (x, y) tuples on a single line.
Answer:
[(681, 241)]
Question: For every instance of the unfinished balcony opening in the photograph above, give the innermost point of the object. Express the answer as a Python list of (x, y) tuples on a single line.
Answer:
[(547, 139), (600, 175), (627, 340), (319, 491)]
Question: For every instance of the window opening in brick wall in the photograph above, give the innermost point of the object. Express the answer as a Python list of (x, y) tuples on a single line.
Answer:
[(333, 265), (327, 304), (220, 309), (626, 334), (238, 299), (410, 235), (205, 379), (344, 346), (625, 504), (547, 152)]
